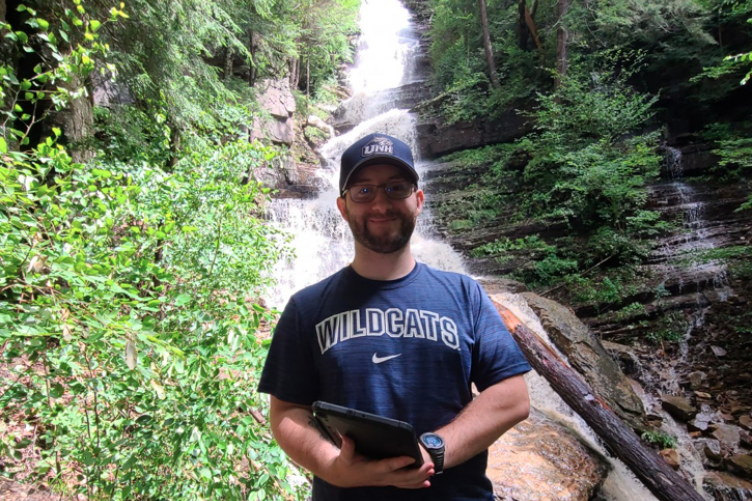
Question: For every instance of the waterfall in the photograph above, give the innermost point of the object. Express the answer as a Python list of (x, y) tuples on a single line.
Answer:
[(321, 240)]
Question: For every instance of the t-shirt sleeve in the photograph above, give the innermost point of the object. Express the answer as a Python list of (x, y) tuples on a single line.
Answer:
[(496, 355), (289, 373)]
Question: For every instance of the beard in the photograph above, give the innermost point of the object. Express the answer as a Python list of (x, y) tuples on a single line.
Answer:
[(387, 243)]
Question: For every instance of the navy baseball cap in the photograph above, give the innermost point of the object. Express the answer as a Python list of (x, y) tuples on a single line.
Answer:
[(376, 149)]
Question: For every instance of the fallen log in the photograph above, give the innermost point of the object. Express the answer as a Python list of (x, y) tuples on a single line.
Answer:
[(621, 441)]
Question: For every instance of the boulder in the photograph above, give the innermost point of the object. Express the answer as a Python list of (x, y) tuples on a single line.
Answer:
[(276, 122), (696, 379), (726, 487), (671, 457), (586, 354), (702, 420), (745, 439), (746, 422), (292, 179), (711, 448), (540, 460), (276, 97), (624, 355), (679, 407), (741, 464), (728, 435)]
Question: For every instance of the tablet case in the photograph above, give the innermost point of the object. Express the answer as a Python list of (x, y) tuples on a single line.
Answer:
[(375, 436)]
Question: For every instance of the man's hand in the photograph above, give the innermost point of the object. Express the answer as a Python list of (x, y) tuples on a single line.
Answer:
[(351, 469), (303, 442)]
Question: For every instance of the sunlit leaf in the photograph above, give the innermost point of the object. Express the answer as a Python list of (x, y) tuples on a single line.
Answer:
[(131, 354)]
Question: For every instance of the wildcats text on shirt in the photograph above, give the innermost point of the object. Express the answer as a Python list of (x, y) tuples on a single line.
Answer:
[(393, 322)]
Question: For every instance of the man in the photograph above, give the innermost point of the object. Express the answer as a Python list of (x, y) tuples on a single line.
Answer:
[(393, 337)]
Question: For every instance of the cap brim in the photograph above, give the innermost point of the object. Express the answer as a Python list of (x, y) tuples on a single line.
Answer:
[(385, 160)]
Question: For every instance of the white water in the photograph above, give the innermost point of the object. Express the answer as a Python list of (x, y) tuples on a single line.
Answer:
[(322, 242)]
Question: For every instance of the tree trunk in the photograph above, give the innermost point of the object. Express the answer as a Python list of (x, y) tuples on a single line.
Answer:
[(308, 75), (523, 31), (76, 120), (252, 70), (487, 44), (294, 64), (650, 468), (228, 64), (533, 29), (2, 11), (562, 36)]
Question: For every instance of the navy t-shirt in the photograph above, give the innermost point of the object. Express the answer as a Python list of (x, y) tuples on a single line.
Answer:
[(407, 349)]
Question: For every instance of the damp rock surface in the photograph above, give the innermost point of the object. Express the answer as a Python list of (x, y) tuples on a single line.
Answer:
[(540, 460), (586, 354)]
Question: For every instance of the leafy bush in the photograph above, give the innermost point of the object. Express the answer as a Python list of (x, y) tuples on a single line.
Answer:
[(663, 440), (671, 328), (585, 165), (129, 314), (499, 246)]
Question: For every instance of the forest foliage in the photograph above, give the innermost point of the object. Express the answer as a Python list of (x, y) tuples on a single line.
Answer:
[(134, 249), (598, 131)]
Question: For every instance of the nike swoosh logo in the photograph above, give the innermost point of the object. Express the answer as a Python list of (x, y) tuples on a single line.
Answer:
[(377, 359)]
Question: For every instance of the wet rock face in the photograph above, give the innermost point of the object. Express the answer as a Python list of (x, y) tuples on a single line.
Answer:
[(539, 460), (725, 487), (403, 97), (436, 139), (586, 354), (741, 464)]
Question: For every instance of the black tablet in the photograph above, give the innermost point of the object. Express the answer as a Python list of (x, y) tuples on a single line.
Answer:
[(374, 436)]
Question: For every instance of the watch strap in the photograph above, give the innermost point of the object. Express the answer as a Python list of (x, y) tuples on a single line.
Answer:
[(438, 460)]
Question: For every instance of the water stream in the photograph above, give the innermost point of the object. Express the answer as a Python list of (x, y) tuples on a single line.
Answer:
[(321, 239)]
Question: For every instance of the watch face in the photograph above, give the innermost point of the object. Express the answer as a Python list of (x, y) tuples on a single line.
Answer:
[(433, 441)]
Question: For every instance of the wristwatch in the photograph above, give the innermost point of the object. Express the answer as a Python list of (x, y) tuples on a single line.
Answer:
[(434, 444)]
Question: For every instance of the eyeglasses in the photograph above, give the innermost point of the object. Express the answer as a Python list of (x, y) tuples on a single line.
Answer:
[(367, 192)]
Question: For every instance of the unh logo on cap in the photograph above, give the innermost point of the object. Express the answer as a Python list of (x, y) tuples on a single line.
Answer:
[(378, 146)]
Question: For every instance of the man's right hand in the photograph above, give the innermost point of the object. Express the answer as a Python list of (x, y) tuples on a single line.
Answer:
[(351, 469)]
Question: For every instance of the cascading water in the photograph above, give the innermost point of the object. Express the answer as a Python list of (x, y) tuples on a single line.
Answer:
[(321, 240)]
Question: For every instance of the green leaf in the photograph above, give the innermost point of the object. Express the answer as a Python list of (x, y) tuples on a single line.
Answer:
[(23, 37), (183, 299), (57, 390), (95, 25), (3, 145), (43, 24), (103, 174), (131, 354)]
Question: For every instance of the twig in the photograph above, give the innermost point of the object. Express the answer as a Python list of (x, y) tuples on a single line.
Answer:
[(258, 417)]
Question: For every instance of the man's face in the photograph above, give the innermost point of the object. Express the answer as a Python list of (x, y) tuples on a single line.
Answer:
[(383, 225)]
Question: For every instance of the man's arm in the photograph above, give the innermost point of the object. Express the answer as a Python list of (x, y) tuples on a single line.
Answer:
[(497, 409), (292, 426)]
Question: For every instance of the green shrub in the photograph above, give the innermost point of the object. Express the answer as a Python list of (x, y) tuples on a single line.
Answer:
[(671, 328), (502, 245), (663, 440), (129, 315)]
